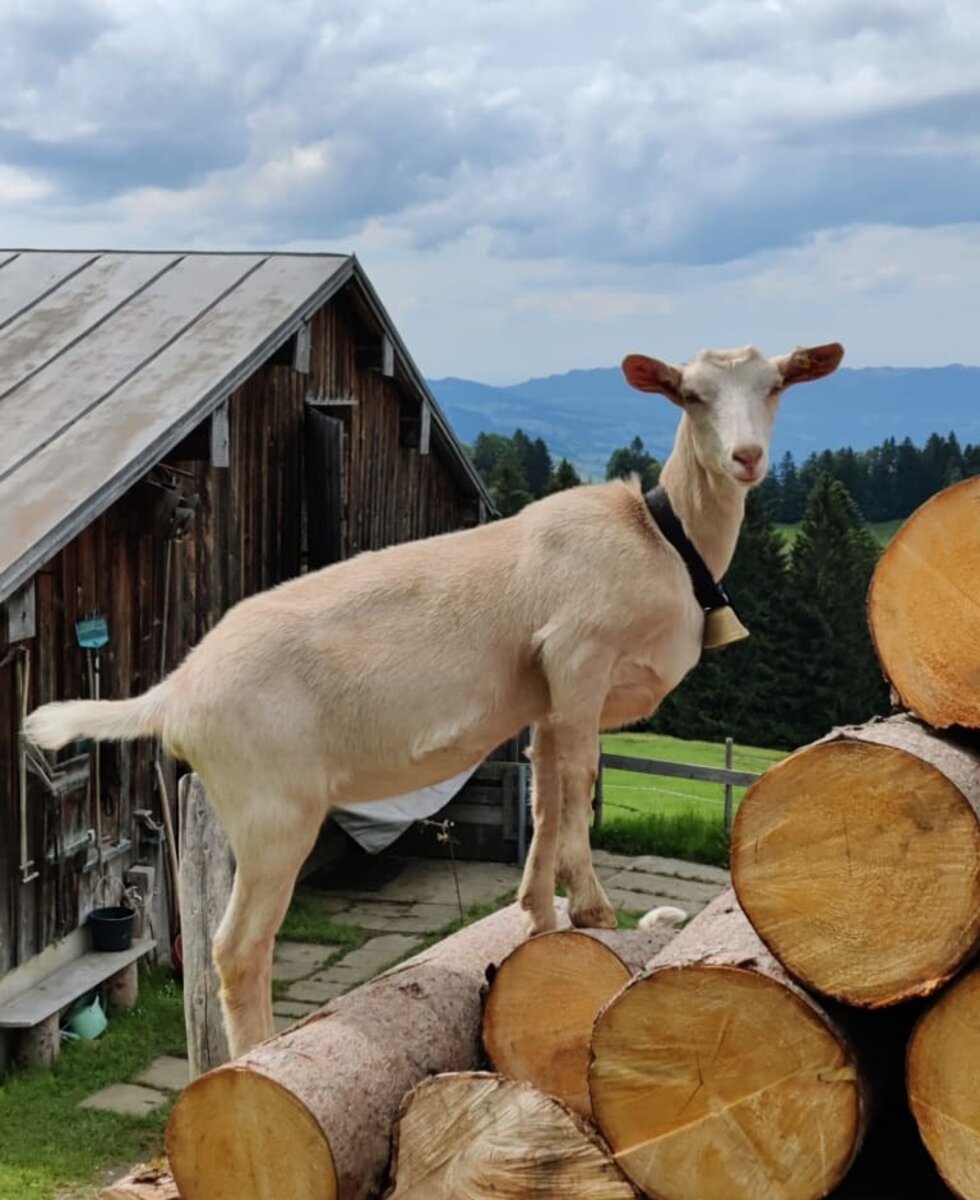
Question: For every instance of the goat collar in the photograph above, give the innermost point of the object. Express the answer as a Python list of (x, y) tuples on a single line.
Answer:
[(721, 625)]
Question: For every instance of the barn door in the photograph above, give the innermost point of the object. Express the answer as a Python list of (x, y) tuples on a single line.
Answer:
[(324, 488)]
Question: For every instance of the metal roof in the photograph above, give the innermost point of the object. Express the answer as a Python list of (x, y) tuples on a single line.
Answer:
[(107, 360)]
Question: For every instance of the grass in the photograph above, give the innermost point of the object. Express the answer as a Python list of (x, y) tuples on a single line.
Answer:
[(680, 818), (48, 1144), (309, 920)]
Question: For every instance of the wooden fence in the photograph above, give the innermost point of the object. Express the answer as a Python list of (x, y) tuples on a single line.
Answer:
[(726, 776)]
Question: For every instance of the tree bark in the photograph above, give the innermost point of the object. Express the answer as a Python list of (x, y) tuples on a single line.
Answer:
[(856, 861), (309, 1113), (943, 1079), (924, 611), (205, 878), (478, 1136), (143, 1183), (715, 1076), (545, 997)]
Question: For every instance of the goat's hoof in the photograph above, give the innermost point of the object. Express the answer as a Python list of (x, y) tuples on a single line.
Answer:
[(539, 922), (597, 916)]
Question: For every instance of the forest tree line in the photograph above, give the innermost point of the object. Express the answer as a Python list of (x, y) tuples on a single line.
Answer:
[(887, 482), (809, 663)]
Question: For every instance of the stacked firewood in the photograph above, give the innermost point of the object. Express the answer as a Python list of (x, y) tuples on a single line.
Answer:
[(806, 1035)]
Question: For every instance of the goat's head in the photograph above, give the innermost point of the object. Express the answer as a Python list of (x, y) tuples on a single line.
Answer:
[(730, 399)]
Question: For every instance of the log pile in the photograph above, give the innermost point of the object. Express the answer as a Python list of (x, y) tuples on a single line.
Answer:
[(815, 1032)]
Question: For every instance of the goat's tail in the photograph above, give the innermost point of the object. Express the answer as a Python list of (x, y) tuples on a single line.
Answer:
[(55, 725)]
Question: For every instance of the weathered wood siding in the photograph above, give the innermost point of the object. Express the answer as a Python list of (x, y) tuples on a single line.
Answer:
[(248, 532)]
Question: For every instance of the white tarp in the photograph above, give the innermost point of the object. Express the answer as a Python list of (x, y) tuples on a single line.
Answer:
[(377, 824)]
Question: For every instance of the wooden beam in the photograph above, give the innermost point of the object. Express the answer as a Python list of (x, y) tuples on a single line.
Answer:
[(426, 429), (644, 766), (20, 615), (387, 356), (220, 440), (301, 349)]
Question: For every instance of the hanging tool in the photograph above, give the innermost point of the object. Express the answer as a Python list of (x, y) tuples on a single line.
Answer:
[(92, 634), (27, 872)]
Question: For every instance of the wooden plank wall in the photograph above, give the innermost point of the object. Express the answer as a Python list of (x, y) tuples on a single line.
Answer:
[(247, 534), (392, 493)]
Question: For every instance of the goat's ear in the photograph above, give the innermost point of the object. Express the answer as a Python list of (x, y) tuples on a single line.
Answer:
[(651, 375), (803, 365)]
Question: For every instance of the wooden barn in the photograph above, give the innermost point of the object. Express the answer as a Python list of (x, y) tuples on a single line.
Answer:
[(178, 431)]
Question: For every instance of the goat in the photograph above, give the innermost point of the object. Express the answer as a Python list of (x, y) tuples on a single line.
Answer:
[(402, 667)]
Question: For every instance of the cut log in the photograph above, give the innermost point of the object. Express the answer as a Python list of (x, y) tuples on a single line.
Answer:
[(943, 1079), (924, 610), (715, 1077), (309, 1113), (545, 997), (477, 1136), (856, 861)]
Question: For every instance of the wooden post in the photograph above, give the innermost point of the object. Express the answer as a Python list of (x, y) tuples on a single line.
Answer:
[(123, 988), (597, 796), (729, 790), (40, 1045), (206, 874)]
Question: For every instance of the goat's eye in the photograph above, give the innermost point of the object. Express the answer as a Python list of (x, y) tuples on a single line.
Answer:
[(691, 398)]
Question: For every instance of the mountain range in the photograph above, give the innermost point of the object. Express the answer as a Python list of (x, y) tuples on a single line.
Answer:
[(585, 415)]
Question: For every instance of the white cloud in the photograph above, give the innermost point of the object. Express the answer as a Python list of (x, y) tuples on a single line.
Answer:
[(583, 165), (19, 187)]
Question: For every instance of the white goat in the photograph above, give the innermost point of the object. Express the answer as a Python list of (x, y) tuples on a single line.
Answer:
[(400, 668)]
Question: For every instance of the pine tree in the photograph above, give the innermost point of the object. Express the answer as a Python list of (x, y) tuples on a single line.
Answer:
[(486, 452), (634, 459), (539, 468), (565, 477), (741, 691), (792, 495), (830, 654), (508, 485)]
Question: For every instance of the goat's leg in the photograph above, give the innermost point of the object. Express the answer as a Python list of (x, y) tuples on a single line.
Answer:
[(265, 873), (537, 891), (578, 757)]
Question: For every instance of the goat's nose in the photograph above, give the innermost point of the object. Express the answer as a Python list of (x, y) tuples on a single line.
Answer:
[(749, 455)]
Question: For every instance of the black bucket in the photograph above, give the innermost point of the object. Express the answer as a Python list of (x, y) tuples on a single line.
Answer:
[(112, 928)]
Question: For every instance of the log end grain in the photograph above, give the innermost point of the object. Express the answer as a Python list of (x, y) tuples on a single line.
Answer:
[(541, 1007), (856, 863), (236, 1133), (924, 611), (943, 1079), (478, 1136), (720, 1083)]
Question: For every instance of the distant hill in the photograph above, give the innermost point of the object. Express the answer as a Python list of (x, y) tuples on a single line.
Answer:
[(585, 415)]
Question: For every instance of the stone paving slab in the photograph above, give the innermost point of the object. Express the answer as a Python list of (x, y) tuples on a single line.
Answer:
[(167, 1072), (685, 891), (654, 864), (644, 901), (295, 960), (130, 1099), (431, 881), (318, 992), (360, 965), (293, 1008), (394, 917)]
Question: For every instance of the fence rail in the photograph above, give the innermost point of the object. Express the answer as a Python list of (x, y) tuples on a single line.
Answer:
[(728, 778)]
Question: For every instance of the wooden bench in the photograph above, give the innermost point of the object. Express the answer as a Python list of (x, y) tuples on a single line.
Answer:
[(35, 1012)]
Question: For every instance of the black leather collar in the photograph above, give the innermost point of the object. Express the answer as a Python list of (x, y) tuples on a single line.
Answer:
[(709, 593)]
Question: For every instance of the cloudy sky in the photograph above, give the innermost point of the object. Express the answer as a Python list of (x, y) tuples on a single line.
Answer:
[(532, 185)]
